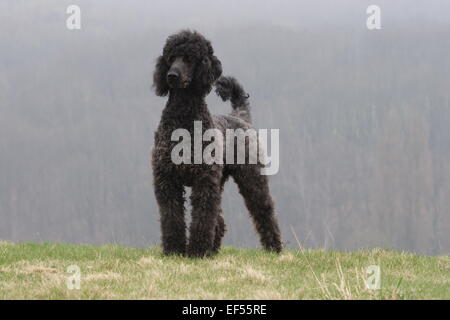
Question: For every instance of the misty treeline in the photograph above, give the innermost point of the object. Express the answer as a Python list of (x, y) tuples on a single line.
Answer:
[(363, 116)]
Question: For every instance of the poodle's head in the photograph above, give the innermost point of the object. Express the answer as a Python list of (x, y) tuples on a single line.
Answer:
[(187, 63)]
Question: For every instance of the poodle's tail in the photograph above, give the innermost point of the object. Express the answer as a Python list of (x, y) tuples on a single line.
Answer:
[(229, 89)]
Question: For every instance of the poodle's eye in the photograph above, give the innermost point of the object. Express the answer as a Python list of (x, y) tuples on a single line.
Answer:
[(205, 60)]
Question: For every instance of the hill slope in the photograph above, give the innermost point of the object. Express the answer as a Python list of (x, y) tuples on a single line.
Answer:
[(40, 271)]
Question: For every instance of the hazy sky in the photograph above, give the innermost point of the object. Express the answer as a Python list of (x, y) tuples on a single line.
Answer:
[(222, 13), (364, 117)]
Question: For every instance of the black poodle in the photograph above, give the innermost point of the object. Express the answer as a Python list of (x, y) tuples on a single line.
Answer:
[(186, 71)]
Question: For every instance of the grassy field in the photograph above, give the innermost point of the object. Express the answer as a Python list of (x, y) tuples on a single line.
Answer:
[(40, 271)]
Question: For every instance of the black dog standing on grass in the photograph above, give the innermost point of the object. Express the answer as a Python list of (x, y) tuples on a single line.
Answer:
[(186, 71)]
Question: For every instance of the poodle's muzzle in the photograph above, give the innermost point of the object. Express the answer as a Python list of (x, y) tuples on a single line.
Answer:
[(179, 75)]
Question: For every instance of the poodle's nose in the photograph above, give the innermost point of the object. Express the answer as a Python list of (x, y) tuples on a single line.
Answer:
[(172, 77)]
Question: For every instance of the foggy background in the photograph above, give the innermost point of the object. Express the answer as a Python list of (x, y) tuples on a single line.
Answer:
[(364, 118)]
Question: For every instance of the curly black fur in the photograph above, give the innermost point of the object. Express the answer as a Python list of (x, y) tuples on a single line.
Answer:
[(184, 106), (229, 89)]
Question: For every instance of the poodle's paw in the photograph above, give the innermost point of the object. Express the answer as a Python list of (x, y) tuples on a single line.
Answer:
[(274, 246), (199, 252), (174, 251)]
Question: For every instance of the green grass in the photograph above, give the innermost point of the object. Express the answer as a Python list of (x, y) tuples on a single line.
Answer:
[(39, 271)]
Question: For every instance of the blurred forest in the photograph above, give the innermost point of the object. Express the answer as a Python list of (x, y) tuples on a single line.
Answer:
[(363, 116)]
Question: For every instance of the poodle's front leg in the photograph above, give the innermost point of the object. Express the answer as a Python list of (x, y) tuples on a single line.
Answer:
[(205, 199), (170, 198)]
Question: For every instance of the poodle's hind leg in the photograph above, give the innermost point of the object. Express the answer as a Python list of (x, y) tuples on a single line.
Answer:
[(205, 200), (254, 187), (219, 232), (170, 198)]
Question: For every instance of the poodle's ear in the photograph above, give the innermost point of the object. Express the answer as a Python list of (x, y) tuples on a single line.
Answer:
[(208, 72), (216, 67), (159, 77)]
